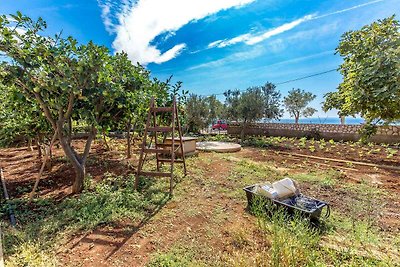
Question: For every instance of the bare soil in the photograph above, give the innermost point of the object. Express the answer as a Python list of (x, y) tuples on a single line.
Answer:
[(199, 213)]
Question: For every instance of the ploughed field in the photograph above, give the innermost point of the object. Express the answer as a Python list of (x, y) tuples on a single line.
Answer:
[(206, 222)]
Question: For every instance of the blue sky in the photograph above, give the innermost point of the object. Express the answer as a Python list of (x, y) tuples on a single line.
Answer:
[(211, 45)]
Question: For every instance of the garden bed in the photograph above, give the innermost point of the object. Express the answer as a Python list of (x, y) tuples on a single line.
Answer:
[(203, 223)]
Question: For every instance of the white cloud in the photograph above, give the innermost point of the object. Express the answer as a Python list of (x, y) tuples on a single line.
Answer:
[(141, 22), (348, 9), (105, 16), (285, 27), (228, 42), (251, 39), (235, 57)]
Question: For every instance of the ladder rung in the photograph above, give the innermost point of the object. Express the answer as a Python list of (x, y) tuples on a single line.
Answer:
[(164, 145), (160, 129), (170, 160), (162, 109), (156, 150), (158, 174)]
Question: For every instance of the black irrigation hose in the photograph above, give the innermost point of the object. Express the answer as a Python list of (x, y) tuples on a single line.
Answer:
[(7, 198)]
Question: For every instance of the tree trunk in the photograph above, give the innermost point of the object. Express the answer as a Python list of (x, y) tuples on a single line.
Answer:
[(80, 174), (242, 135), (30, 148), (39, 147), (342, 120), (69, 130), (128, 140), (78, 162), (45, 161), (296, 120)]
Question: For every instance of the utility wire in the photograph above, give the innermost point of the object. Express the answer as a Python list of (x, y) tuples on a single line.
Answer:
[(306, 77), (289, 81)]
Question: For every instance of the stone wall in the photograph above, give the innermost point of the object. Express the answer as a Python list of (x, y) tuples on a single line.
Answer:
[(337, 132)]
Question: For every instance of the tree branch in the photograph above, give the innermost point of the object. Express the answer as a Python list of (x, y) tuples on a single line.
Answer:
[(88, 144), (46, 110), (70, 106)]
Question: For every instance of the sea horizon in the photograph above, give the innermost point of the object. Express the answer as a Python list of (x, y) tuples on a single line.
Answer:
[(320, 120)]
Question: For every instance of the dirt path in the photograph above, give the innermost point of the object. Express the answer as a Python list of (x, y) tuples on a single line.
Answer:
[(197, 213)]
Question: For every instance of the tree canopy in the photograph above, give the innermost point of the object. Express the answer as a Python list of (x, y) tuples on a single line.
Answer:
[(371, 73), (201, 111), (296, 103), (196, 113), (252, 105), (257, 102), (65, 80), (272, 101)]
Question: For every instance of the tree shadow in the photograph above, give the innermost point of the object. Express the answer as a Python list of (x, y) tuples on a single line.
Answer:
[(101, 236)]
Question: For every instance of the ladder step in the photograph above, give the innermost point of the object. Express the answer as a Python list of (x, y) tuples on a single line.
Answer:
[(170, 160), (156, 150), (157, 174), (164, 145), (162, 109), (160, 129)]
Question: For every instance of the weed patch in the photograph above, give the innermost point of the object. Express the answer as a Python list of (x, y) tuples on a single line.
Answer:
[(46, 223)]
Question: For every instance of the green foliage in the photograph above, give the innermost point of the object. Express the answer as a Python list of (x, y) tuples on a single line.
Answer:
[(251, 106), (68, 81), (232, 102), (171, 259), (371, 73), (201, 111), (293, 241), (215, 109), (46, 223), (196, 114), (20, 119), (296, 103), (272, 99), (254, 104)]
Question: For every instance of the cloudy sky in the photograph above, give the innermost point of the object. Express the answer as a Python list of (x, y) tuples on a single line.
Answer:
[(215, 45)]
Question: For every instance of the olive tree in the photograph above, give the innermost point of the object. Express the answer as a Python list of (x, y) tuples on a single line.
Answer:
[(371, 73), (196, 113), (252, 105), (272, 102), (296, 103), (232, 102), (215, 109)]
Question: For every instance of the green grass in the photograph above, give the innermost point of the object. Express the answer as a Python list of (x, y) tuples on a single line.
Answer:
[(177, 256), (350, 237), (45, 224), (341, 241), (327, 179)]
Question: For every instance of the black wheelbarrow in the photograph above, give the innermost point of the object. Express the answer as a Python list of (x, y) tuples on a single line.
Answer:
[(305, 206)]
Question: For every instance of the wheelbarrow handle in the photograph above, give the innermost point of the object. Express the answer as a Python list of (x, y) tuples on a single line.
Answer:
[(328, 212)]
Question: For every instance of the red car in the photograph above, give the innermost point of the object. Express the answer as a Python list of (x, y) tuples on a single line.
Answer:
[(220, 125)]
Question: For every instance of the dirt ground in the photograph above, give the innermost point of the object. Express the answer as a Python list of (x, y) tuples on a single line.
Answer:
[(198, 214)]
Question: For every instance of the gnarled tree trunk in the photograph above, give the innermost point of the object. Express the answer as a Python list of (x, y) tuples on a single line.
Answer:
[(78, 161)]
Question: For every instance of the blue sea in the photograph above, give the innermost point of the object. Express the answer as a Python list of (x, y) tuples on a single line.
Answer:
[(326, 120)]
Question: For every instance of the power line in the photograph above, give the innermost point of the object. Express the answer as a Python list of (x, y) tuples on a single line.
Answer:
[(289, 81), (306, 77)]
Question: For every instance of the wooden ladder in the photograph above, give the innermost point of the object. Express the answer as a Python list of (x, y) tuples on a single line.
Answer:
[(165, 153)]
